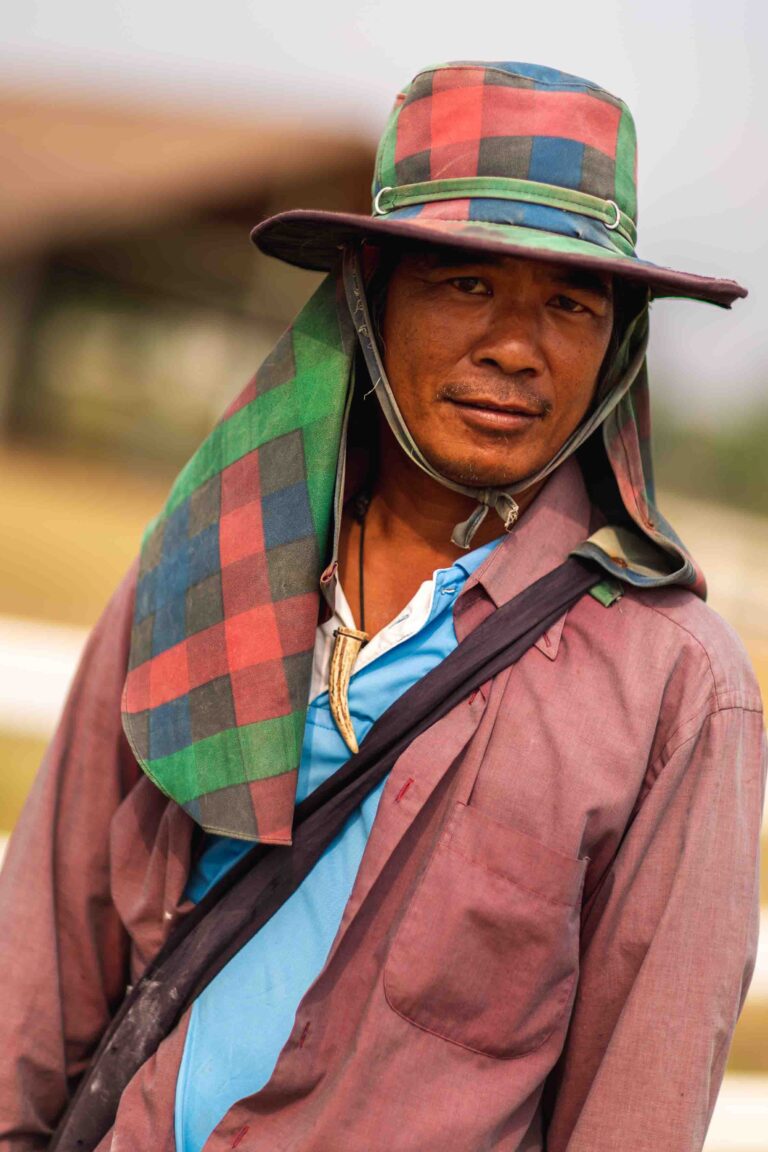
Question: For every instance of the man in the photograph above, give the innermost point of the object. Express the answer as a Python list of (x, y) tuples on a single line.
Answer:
[(538, 929)]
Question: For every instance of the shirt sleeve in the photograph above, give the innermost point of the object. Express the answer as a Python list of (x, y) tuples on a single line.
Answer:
[(669, 939), (64, 951)]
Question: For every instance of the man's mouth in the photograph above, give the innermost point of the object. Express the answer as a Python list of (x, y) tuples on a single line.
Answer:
[(514, 407), (493, 413)]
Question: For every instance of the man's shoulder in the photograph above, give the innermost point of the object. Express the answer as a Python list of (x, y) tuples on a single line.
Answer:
[(701, 643)]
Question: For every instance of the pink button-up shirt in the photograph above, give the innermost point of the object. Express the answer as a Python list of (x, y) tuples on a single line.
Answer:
[(551, 932)]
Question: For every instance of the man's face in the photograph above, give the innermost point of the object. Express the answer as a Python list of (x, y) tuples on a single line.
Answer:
[(493, 362)]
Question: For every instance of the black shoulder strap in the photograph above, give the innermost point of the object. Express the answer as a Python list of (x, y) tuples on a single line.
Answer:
[(253, 890)]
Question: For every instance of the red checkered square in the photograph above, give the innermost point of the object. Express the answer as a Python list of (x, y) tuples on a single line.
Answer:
[(207, 655), (241, 533), (570, 115), (456, 124), (457, 159), (245, 584), (296, 619), (253, 637), (260, 692), (457, 77), (136, 695), (169, 675), (414, 132), (240, 482), (272, 798)]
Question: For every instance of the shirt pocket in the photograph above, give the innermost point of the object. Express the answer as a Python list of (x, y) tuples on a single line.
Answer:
[(487, 953)]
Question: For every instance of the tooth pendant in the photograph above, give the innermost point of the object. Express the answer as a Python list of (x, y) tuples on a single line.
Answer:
[(347, 644)]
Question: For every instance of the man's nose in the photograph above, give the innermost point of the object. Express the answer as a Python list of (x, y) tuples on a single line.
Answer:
[(511, 341)]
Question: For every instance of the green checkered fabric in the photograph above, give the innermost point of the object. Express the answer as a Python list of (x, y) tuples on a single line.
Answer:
[(227, 597)]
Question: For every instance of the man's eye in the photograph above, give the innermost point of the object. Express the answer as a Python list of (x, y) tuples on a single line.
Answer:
[(568, 304), (471, 285)]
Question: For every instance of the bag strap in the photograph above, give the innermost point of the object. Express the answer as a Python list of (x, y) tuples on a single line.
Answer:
[(253, 890)]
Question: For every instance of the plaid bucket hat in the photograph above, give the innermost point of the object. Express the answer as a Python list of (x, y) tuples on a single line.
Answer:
[(507, 158)]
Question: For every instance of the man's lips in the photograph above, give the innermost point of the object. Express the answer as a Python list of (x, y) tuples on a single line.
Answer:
[(494, 413), (513, 408)]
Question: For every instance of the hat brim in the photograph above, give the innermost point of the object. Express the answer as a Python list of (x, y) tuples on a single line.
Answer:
[(312, 239)]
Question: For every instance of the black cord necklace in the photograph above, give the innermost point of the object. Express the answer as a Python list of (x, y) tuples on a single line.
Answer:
[(360, 506), (347, 642)]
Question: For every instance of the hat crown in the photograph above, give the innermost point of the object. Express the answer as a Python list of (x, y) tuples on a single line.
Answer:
[(513, 122)]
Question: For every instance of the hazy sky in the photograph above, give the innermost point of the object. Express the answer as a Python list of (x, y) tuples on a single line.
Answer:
[(693, 72)]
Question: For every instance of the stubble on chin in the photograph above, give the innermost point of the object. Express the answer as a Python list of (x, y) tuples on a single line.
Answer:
[(467, 470)]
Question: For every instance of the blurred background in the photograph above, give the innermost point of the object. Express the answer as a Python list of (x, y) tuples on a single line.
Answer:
[(140, 143)]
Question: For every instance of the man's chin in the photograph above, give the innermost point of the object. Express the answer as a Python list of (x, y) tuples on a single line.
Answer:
[(473, 473)]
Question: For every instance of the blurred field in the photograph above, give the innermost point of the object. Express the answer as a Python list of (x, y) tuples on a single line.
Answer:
[(75, 527)]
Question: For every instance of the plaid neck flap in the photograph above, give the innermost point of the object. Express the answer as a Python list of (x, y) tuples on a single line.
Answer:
[(228, 591), (645, 551), (511, 143), (227, 601)]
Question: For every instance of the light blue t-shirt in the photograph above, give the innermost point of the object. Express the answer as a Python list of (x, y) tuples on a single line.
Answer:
[(242, 1020)]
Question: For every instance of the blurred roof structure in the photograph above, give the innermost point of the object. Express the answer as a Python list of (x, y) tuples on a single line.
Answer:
[(76, 167)]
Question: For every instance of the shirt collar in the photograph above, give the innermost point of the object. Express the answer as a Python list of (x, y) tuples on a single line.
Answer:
[(471, 561), (555, 523)]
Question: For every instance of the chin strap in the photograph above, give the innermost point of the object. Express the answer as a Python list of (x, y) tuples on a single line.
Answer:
[(501, 500), (502, 503)]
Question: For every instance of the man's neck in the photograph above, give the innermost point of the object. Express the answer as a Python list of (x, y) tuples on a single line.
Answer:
[(408, 530), (412, 510)]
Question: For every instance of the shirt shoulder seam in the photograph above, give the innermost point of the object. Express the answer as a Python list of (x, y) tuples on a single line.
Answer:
[(657, 767), (720, 693), (667, 753)]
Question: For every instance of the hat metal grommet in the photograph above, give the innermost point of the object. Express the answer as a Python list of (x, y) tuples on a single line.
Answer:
[(614, 225), (377, 209)]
